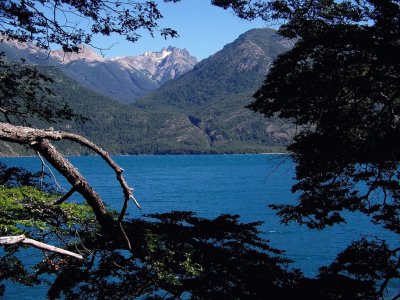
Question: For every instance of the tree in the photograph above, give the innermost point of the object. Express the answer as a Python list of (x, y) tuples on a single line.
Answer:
[(340, 84), (70, 23), (174, 255), (25, 93)]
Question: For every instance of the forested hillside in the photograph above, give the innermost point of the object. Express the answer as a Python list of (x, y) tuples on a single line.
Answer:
[(239, 67), (202, 111), (214, 94)]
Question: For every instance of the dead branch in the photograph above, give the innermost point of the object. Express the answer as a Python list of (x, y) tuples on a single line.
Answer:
[(16, 239), (27, 135), (51, 172), (65, 197), (38, 139), (62, 165)]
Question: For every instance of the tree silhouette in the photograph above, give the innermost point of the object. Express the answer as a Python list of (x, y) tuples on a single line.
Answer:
[(174, 255), (70, 23), (25, 93), (340, 84)]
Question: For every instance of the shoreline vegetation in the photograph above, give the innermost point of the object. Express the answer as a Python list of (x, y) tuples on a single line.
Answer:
[(153, 154), (69, 149)]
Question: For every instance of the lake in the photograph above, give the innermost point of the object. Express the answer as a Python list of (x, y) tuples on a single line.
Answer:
[(217, 184)]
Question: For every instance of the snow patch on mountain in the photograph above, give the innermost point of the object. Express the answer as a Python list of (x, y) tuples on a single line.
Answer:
[(159, 66), (125, 79)]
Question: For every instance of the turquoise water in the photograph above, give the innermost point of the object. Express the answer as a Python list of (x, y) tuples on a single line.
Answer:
[(211, 185)]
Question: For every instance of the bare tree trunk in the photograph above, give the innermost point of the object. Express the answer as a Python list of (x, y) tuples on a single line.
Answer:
[(62, 165), (38, 140)]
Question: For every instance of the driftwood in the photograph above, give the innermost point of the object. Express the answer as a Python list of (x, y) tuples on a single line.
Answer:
[(39, 140), (21, 239)]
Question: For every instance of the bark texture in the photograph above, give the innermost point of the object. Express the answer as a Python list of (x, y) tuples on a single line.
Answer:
[(38, 140), (62, 165)]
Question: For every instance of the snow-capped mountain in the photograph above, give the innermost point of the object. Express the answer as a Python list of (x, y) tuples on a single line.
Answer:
[(159, 66), (122, 78)]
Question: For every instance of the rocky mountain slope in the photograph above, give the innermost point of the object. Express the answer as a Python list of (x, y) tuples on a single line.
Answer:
[(125, 79), (240, 66), (161, 66), (213, 95), (202, 111)]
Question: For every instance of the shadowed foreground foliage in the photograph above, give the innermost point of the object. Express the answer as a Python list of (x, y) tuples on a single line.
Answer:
[(174, 254), (340, 84)]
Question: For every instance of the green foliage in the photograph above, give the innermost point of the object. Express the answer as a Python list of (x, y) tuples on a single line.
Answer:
[(174, 254), (180, 254), (28, 210)]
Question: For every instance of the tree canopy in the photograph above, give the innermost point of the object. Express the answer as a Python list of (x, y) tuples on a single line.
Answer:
[(70, 23), (26, 95), (339, 84), (174, 255)]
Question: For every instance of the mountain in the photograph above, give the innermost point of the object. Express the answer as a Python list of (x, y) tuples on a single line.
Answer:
[(201, 111), (240, 66), (160, 66), (107, 78), (116, 127), (124, 79), (213, 95)]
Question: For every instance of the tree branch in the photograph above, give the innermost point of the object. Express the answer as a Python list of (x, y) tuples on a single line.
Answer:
[(51, 172), (16, 239), (62, 165), (65, 197), (38, 140), (27, 135)]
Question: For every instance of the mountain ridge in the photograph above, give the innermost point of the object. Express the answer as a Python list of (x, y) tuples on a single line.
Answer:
[(159, 66), (201, 111), (213, 95), (240, 65), (113, 77)]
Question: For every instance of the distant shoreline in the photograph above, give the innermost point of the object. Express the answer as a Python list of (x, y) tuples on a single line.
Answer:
[(150, 154)]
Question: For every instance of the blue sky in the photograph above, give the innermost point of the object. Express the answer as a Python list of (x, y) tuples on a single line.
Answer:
[(204, 29)]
